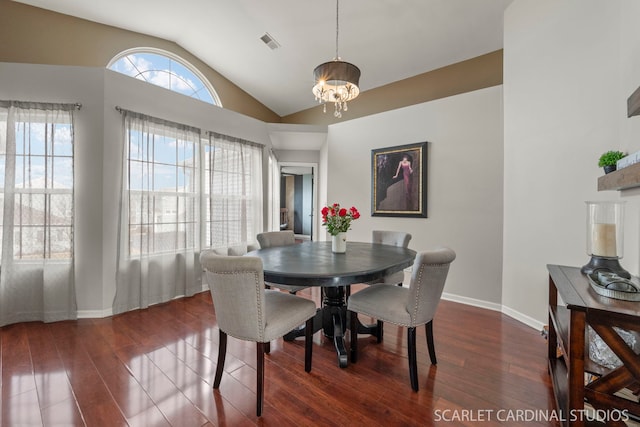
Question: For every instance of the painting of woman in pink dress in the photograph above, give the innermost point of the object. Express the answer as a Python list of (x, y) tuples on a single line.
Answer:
[(399, 181), (405, 166)]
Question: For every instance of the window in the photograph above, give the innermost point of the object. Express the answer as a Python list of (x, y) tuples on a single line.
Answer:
[(166, 70), (232, 191), (162, 171), (36, 172), (165, 187)]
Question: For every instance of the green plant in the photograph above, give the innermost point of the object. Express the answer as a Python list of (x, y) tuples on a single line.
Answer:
[(610, 158)]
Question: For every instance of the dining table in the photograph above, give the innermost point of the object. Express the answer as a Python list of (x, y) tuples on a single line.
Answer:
[(313, 263)]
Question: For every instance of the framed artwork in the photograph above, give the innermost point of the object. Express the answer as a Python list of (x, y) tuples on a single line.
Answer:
[(399, 181)]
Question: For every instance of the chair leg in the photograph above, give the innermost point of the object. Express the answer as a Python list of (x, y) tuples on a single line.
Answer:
[(413, 365), (430, 345), (259, 377), (222, 351), (308, 344), (379, 331), (267, 347), (353, 316)]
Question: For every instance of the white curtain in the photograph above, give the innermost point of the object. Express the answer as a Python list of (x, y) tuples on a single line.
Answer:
[(233, 191), (274, 193), (36, 174), (158, 238)]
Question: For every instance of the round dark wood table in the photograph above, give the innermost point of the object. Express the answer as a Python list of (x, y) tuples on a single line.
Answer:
[(314, 264)]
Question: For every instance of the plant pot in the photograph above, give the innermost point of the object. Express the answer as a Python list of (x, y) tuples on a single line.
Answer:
[(609, 168), (339, 243)]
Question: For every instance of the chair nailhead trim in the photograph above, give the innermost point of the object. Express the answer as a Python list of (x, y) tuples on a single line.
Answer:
[(257, 288), (419, 278)]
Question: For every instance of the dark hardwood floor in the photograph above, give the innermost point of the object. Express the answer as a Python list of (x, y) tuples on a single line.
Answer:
[(155, 367)]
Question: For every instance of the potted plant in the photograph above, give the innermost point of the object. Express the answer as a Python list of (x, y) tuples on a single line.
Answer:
[(338, 220), (609, 160)]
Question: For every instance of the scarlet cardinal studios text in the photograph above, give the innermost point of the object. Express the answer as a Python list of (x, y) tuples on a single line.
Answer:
[(528, 415)]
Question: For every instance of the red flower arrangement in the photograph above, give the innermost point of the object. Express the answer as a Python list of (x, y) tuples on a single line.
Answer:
[(338, 219)]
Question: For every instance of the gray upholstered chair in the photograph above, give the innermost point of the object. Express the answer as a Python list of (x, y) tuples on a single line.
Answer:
[(395, 238), (271, 239), (245, 310), (241, 249), (409, 307)]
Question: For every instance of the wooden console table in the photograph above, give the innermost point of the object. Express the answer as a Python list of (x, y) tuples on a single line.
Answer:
[(567, 332)]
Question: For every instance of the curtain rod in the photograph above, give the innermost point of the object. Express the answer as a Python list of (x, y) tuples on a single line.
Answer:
[(76, 105), (206, 132)]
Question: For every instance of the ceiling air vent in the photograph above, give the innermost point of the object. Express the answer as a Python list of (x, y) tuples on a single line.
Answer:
[(270, 41)]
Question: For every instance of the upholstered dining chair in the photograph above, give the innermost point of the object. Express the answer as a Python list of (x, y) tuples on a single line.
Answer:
[(246, 310), (395, 238), (408, 307), (241, 249), (279, 238)]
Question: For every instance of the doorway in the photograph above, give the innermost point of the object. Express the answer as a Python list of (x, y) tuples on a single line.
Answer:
[(297, 199)]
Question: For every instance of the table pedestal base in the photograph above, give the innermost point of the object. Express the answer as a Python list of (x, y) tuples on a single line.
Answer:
[(332, 319)]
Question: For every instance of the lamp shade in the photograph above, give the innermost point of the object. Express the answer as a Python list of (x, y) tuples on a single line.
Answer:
[(336, 81)]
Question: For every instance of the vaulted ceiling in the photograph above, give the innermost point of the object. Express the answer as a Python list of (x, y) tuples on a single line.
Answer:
[(388, 40)]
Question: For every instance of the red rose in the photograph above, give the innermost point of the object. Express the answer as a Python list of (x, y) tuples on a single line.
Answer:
[(325, 211), (356, 215), (343, 212)]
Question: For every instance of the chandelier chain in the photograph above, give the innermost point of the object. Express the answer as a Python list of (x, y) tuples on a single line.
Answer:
[(336, 81), (337, 28)]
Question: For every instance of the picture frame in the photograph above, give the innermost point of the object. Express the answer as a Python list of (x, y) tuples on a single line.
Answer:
[(399, 181)]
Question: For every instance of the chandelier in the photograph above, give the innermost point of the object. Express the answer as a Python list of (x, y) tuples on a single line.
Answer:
[(336, 81)]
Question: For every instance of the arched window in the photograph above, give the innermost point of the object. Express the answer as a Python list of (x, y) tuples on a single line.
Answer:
[(166, 70)]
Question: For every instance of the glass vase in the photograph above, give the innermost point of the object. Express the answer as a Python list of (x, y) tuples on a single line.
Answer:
[(605, 237)]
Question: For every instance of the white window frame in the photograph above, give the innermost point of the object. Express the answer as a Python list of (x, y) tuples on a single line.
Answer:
[(252, 199), (157, 196), (173, 57), (49, 190)]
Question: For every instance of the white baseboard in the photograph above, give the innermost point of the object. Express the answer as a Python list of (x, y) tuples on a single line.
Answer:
[(472, 301), (95, 314), (107, 312), (522, 318)]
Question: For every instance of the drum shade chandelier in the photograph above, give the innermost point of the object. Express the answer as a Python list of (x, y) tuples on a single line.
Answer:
[(336, 81)]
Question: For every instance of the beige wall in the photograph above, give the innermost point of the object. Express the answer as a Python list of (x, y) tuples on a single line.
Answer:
[(37, 36), (569, 68), (464, 183), (466, 76)]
